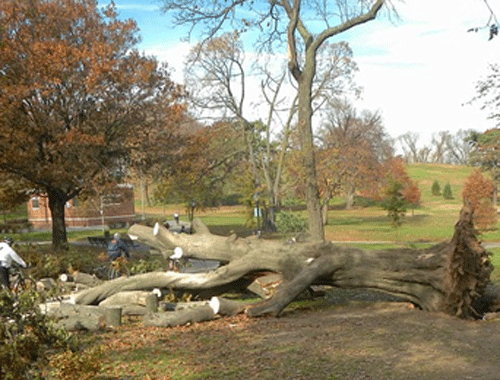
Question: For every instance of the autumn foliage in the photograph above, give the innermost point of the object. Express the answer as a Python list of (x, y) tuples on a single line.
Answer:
[(74, 94), (211, 156), (478, 193)]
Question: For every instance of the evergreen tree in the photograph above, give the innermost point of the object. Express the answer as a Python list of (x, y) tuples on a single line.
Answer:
[(436, 189), (447, 194), (395, 203)]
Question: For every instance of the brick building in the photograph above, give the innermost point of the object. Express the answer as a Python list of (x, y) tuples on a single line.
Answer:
[(117, 210)]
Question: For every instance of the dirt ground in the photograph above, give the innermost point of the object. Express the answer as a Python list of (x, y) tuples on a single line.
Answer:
[(351, 338)]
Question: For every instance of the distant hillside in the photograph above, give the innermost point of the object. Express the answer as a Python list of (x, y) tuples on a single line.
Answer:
[(426, 174)]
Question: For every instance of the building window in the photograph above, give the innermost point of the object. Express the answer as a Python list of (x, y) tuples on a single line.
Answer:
[(35, 203), (112, 199)]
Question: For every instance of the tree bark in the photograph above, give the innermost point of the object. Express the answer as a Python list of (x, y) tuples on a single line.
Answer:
[(305, 81), (448, 277), (57, 202)]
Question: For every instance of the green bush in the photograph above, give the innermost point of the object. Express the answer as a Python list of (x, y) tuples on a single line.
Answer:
[(435, 189), (288, 222), (27, 337), (395, 203), (145, 266), (44, 262), (447, 194)]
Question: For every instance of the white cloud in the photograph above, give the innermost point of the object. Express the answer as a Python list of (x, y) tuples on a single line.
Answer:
[(421, 71), (174, 54)]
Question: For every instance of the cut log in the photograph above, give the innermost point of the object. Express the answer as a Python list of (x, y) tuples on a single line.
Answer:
[(135, 297), (113, 316), (78, 317), (194, 312), (448, 277), (45, 284), (227, 307), (81, 278), (181, 317)]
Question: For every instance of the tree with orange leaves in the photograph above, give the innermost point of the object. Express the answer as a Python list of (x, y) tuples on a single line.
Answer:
[(73, 94), (478, 194), (350, 157), (395, 170), (412, 194), (213, 155)]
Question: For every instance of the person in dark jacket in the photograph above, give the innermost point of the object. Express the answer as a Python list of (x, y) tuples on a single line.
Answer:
[(117, 248)]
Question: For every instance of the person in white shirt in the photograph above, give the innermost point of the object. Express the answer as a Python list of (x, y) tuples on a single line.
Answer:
[(7, 256)]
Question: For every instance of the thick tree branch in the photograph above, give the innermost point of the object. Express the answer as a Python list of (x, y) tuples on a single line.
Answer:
[(364, 18)]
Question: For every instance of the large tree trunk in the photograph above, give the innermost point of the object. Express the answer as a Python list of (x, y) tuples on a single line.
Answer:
[(57, 202), (305, 80), (448, 277)]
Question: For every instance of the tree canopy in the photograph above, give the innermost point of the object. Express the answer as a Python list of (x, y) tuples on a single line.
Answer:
[(73, 92)]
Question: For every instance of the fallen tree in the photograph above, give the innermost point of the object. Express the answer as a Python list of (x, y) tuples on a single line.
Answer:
[(449, 277)]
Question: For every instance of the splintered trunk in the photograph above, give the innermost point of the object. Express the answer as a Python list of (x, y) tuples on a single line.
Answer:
[(57, 202), (448, 277)]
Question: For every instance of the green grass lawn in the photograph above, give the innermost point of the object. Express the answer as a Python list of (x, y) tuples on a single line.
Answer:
[(432, 221)]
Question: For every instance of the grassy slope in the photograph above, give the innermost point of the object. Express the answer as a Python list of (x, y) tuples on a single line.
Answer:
[(433, 221)]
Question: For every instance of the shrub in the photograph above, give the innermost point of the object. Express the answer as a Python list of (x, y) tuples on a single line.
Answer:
[(145, 266), (288, 222), (485, 214), (435, 189), (395, 203), (447, 194), (27, 335)]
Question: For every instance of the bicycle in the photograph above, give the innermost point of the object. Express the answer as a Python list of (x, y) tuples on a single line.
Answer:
[(113, 269), (20, 283)]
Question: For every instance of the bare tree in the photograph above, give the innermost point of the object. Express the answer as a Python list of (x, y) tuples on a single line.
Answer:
[(217, 76), (409, 143), (459, 147), (492, 25), (444, 148), (353, 148), (439, 143), (281, 21)]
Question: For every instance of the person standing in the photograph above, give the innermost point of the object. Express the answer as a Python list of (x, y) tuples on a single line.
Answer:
[(7, 256)]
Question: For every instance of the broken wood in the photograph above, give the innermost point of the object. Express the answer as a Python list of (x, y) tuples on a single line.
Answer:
[(179, 318), (447, 277), (78, 317), (200, 312)]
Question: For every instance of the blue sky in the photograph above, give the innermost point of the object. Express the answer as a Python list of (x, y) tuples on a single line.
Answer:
[(419, 71)]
